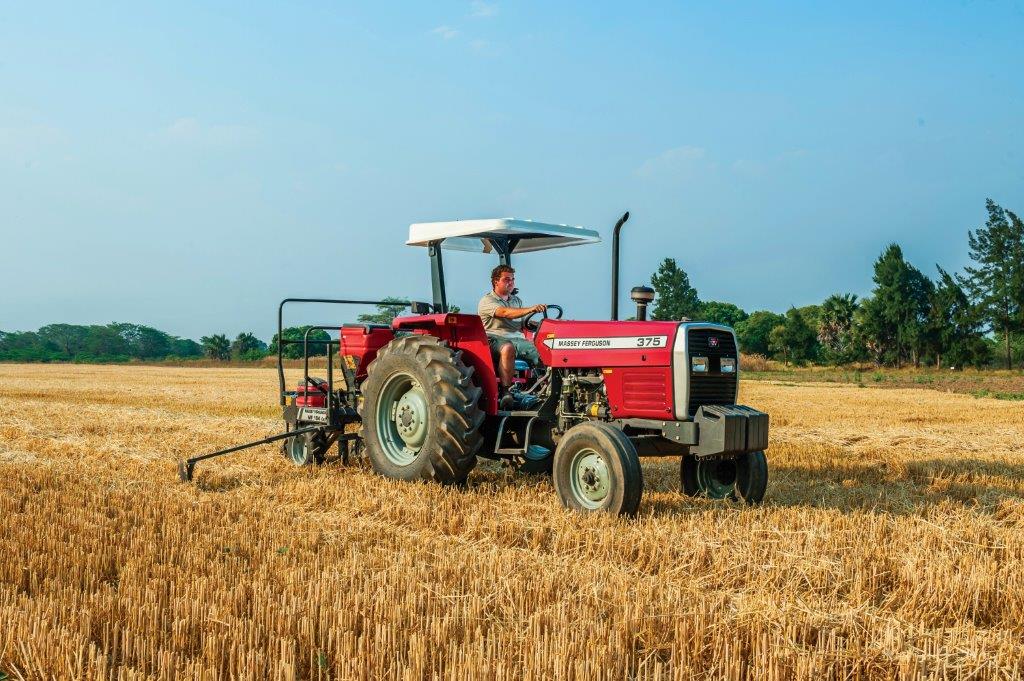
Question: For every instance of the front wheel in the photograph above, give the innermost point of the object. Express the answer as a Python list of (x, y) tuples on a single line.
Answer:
[(741, 478), (596, 468)]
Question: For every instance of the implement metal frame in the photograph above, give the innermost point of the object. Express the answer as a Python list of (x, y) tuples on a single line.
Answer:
[(338, 415)]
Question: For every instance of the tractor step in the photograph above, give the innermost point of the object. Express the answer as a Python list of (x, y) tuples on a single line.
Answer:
[(524, 433)]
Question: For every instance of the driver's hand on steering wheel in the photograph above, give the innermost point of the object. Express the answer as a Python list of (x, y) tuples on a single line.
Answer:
[(539, 308)]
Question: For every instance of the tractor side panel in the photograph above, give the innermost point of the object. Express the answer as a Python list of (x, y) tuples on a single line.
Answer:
[(462, 332), (639, 392), (363, 341), (566, 343)]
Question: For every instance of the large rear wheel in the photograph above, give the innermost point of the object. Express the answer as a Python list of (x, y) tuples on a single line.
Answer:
[(596, 468), (741, 478), (419, 411)]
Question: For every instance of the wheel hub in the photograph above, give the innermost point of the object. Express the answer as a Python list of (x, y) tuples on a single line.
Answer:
[(402, 418), (411, 417), (591, 478), (717, 479)]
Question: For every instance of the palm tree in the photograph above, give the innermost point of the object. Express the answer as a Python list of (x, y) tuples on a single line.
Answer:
[(216, 346)]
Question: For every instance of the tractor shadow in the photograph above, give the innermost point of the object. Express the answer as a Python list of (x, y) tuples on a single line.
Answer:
[(906, 489)]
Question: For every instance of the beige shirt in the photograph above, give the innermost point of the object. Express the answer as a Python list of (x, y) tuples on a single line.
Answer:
[(499, 325)]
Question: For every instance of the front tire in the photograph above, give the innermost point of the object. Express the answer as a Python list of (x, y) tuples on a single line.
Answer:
[(742, 478), (419, 411), (596, 469)]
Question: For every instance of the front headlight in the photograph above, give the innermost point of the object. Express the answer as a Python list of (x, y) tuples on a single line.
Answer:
[(699, 365), (728, 365)]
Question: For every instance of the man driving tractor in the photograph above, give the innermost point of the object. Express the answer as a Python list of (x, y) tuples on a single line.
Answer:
[(501, 312)]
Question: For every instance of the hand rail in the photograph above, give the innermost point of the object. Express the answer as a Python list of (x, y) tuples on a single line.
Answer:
[(281, 342)]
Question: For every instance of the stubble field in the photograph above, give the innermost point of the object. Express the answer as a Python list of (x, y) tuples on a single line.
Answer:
[(891, 545)]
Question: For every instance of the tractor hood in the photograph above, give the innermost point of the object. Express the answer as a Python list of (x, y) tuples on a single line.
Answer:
[(651, 369), (566, 343)]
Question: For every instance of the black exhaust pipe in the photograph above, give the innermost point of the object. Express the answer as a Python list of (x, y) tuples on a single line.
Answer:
[(615, 265)]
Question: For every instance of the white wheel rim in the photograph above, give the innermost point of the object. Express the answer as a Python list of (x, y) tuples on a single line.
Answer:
[(402, 418), (590, 478)]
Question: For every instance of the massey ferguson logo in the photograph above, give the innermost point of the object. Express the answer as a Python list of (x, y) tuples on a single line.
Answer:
[(713, 341)]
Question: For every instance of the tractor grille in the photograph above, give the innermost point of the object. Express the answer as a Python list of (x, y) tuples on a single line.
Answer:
[(700, 343), (712, 387), (711, 390)]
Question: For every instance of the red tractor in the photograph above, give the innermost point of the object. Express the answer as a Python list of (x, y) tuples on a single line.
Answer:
[(425, 392)]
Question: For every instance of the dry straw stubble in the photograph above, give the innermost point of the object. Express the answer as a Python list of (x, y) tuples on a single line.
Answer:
[(890, 546)]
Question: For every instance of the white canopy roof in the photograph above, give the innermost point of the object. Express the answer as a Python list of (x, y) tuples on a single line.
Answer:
[(472, 235)]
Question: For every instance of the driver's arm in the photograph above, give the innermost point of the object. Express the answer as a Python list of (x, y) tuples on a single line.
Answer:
[(517, 312)]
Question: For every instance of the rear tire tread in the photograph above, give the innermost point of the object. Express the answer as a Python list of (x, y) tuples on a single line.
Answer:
[(449, 453)]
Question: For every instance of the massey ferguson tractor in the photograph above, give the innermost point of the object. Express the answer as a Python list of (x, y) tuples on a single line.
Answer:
[(420, 399)]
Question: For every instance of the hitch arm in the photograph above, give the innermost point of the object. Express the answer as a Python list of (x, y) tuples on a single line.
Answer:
[(187, 467)]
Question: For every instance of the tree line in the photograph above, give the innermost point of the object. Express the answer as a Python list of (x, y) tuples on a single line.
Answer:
[(117, 342), (122, 342), (974, 318)]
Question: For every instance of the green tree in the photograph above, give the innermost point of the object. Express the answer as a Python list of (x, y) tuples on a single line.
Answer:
[(996, 283), (873, 332), (106, 342), (777, 342), (185, 347), (294, 350), (26, 346), (798, 340), (216, 346), (955, 326), (836, 331), (676, 298), (144, 342), (246, 346), (70, 338), (385, 314), (811, 315), (754, 332), (916, 330), (117, 342), (894, 319), (722, 313)]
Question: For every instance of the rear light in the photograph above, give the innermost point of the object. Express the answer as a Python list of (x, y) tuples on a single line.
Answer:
[(699, 365), (451, 320), (728, 365)]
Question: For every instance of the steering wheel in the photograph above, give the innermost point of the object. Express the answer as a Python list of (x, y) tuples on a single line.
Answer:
[(531, 325)]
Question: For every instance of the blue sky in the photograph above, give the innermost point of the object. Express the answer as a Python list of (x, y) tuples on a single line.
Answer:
[(187, 165)]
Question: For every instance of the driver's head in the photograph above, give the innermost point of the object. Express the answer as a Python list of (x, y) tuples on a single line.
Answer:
[(503, 280)]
